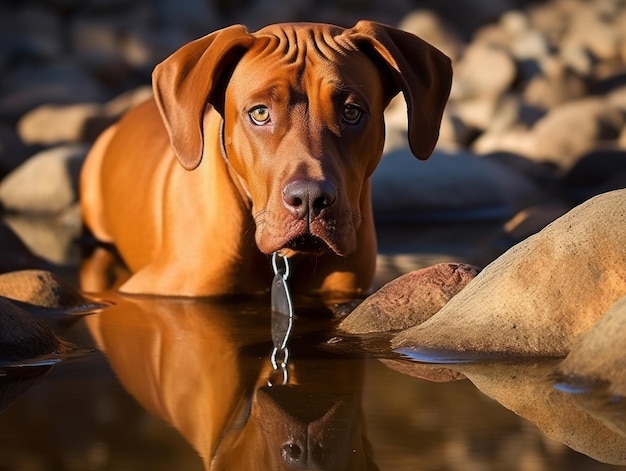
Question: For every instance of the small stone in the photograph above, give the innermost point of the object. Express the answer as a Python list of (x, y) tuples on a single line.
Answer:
[(410, 299)]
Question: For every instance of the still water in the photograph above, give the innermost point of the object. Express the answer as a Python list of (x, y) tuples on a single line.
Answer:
[(189, 385)]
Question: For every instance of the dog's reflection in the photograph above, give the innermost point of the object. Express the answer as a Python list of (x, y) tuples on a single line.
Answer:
[(203, 366)]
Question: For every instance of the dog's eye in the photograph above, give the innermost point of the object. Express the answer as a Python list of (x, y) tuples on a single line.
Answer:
[(260, 115), (352, 114)]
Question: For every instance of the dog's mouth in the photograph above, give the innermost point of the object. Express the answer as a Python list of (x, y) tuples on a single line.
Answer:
[(308, 244)]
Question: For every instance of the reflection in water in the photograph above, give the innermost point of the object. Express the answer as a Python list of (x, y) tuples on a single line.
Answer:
[(16, 381), (528, 388), (598, 401), (205, 371)]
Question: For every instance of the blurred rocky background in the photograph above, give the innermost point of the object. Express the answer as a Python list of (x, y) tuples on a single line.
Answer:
[(534, 126)]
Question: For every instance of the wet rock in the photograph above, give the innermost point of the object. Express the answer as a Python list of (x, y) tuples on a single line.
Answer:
[(410, 299), (45, 183), (40, 288), (22, 336), (539, 296), (598, 357)]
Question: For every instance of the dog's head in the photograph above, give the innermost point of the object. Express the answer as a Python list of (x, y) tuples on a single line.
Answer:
[(303, 118)]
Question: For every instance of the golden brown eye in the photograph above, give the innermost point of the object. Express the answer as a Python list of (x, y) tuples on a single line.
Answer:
[(352, 114), (260, 115)]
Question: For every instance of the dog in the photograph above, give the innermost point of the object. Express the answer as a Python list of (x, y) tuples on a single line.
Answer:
[(256, 143)]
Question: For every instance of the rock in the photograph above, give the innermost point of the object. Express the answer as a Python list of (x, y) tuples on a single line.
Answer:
[(428, 26), (483, 70), (40, 288), (516, 140), (530, 45), (476, 112), (44, 184), (22, 336), (617, 98), (538, 297), (598, 357), (410, 299), (548, 18), (52, 238), (593, 372), (448, 186), (554, 85), (568, 131), (56, 124), (587, 29), (14, 254)]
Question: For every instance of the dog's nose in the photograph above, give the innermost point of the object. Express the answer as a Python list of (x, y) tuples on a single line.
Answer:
[(308, 198)]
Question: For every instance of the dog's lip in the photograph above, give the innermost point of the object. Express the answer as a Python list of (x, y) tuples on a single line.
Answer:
[(307, 243)]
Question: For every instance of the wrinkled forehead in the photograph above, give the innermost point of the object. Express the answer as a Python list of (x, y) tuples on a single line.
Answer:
[(302, 44), (305, 51), (292, 40)]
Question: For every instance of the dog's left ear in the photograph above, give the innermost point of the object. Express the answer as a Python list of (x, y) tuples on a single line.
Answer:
[(420, 71), (190, 79)]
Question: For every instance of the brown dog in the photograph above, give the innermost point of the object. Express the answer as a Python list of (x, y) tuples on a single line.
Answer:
[(276, 134)]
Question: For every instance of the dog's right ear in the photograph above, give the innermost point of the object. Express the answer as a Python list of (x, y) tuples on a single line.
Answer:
[(191, 78)]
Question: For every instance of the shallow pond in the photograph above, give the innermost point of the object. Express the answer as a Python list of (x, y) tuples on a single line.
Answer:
[(189, 385)]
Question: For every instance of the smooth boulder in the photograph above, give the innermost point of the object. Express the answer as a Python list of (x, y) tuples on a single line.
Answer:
[(410, 299), (539, 296)]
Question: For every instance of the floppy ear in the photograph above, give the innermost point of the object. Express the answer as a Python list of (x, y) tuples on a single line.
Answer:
[(191, 78), (419, 70)]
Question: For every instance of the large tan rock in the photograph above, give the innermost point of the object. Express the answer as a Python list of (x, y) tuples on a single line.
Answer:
[(599, 357), (594, 370), (538, 297)]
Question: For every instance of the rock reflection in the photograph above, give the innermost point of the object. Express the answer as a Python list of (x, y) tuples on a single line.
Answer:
[(528, 388), (204, 367)]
